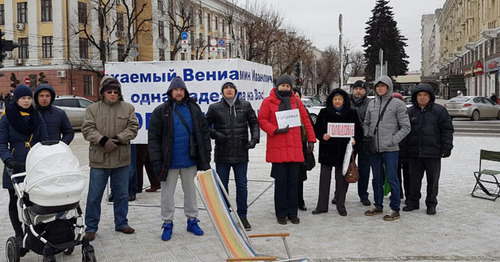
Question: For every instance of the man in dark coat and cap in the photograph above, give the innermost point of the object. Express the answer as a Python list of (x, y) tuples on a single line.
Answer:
[(430, 139)]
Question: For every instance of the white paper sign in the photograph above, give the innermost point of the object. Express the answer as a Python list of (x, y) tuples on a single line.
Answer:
[(347, 157), (340, 129), (290, 118)]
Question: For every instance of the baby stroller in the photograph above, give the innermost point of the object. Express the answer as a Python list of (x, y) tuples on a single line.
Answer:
[(48, 204)]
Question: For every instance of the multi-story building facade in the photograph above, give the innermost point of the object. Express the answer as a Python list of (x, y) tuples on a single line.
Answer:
[(470, 47), (64, 39), (430, 45)]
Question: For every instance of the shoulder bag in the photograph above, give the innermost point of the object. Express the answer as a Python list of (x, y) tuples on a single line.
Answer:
[(369, 141)]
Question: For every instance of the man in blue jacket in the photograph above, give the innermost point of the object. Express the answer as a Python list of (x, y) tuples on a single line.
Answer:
[(179, 145), (56, 120), (430, 139)]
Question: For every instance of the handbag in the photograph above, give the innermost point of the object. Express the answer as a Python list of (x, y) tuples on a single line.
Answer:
[(369, 141), (310, 161), (352, 175), (193, 148)]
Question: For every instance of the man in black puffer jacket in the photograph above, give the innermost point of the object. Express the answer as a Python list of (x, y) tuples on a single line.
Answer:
[(430, 139), (231, 118)]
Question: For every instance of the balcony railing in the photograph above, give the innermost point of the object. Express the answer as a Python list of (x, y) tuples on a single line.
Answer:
[(492, 24)]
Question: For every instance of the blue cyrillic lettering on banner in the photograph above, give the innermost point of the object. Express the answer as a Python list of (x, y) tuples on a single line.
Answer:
[(199, 76), (171, 75), (204, 98), (250, 96), (134, 78), (164, 97), (234, 75), (145, 99), (158, 78), (214, 97), (221, 75), (155, 97), (188, 74), (139, 118), (135, 98), (211, 75), (124, 78), (145, 78)]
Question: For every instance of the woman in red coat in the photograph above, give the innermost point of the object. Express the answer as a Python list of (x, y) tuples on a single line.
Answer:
[(284, 147)]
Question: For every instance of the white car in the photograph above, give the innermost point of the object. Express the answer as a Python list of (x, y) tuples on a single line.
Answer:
[(313, 105)]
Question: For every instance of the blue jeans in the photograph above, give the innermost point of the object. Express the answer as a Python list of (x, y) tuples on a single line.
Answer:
[(390, 159), (240, 178), (97, 185), (364, 174)]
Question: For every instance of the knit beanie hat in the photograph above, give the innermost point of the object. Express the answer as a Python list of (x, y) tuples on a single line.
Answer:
[(359, 83), (177, 82), (111, 86), (22, 90), (228, 84), (398, 96), (284, 79)]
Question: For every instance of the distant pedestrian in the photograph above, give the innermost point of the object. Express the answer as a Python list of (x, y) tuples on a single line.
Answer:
[(143, 161), (56, 120), (1, 100), (179, 146), (332, 149), (109, 125), (494, 98), (232, 119), (388, 128), (359, 102), (284, 147), (430, 139)]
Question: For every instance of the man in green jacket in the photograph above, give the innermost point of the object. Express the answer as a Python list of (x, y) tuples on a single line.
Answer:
[(109, 125)]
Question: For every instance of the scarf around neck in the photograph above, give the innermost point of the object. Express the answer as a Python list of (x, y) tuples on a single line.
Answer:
[(284, 97), (16, 116)]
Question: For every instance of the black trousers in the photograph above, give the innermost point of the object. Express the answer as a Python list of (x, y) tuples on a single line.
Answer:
[(432, 169), (286, 177), (341, 187), (404, 178), (142, 161), (13, 214)]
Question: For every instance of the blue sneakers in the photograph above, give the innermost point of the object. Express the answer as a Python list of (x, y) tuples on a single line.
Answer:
[(167, 231), (192, 226)]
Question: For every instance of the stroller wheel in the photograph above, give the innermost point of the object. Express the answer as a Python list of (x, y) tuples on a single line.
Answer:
[(12, 249), (49, 258), (69, 251)]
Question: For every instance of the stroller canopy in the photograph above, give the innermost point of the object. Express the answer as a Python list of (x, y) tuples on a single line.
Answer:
[(53, 176)]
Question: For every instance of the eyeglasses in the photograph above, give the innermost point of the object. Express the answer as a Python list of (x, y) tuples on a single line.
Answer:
[(112, 92)]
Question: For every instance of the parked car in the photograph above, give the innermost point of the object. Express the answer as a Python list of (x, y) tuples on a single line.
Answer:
[(74, 106), (313, 105), (473, 107)]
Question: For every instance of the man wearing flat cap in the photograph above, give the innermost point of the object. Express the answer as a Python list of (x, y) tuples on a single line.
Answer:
[(231, 118), (109, 125)]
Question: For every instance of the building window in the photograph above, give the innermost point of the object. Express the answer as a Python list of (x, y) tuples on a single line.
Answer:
[(2, 14), (22, 12), (46, 46), (121, 52), (161, 54), (172, 37), (23, 48), (161, 29), (88, 89), (84, 48), (216, 23), (119, 22), (200, 17), (82, 13), (46, 10), (223, 25), (160, 7), (208, 21)]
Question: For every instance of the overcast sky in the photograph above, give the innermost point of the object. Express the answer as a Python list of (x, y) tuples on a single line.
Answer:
[(318, 20)]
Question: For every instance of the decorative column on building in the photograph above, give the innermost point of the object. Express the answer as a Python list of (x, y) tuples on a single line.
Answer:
[(58, 39), (33, 43), (9, 30)]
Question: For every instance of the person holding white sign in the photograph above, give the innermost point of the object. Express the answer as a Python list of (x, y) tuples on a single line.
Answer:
[(284, 147), (332, 147)]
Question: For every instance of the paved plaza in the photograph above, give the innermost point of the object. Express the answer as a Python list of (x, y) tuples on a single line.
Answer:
[(464, 228)]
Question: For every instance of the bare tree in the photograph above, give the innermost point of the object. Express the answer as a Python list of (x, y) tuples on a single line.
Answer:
[(328, 67), (180, 17), (125, 25), (357, 63)]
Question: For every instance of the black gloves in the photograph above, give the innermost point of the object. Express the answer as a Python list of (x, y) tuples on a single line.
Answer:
[(110, 146), (16, 166), (281, 130), (310, 147), (251, 144), (446, 153)]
